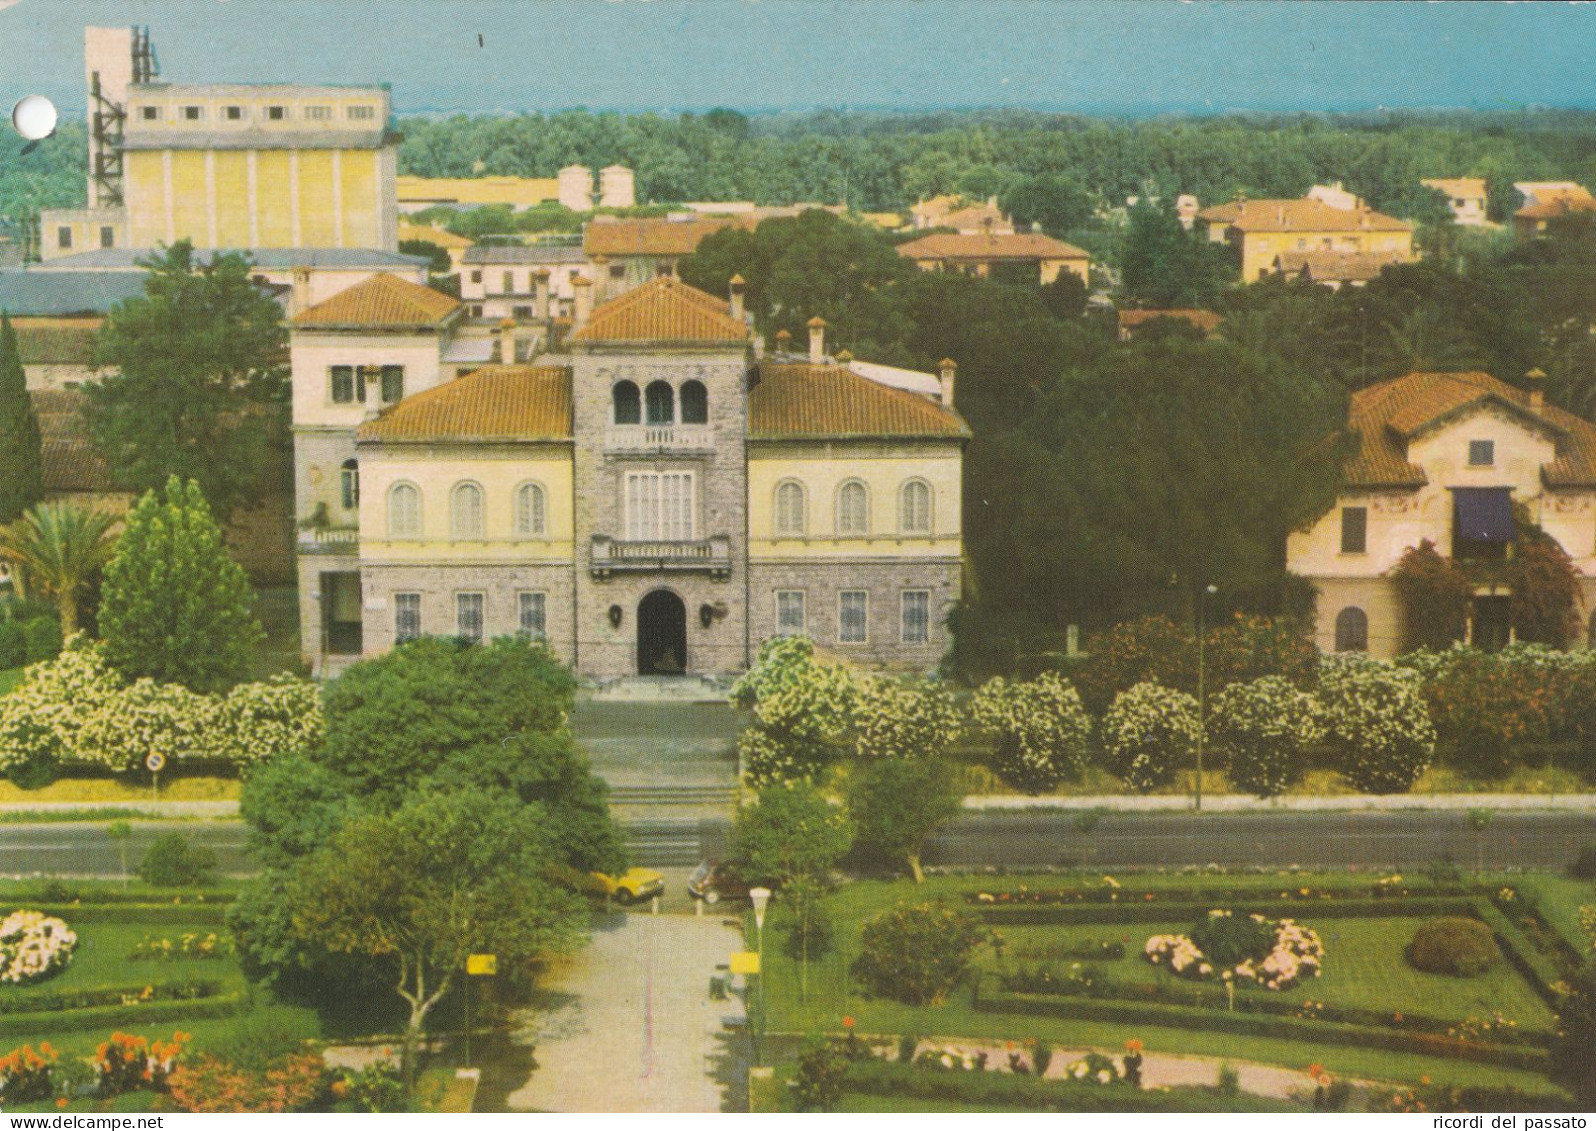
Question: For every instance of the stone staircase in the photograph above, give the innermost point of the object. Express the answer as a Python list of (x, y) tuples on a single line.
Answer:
[(651, 796), (662, 689), (674, 842)]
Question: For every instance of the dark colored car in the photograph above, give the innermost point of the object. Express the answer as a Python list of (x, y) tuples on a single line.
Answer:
[(713, 882)]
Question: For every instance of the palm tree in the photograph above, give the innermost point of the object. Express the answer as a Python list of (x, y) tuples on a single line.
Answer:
[(56, 549)]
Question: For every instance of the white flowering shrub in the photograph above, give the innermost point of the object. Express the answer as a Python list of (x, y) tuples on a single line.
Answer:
[(1148, 731), (1267, 726), (33, 946), (1296, 953), (1376, 716), (803, 712), (1041, 730), (894, 720), (77, 708)]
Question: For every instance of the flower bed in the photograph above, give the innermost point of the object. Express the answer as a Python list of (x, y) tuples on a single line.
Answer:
[(191, 944), (33, 946), (1296, 953)]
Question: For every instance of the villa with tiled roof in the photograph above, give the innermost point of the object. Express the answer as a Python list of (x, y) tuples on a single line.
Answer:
[(981, 254), (1261, 231), (1458, 459), (651, 493)]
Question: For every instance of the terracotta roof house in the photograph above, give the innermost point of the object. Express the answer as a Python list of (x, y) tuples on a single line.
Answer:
[(1131, 321), (1548, 206), (1335, 269), (1261, 230), (1466, 197), (980, 255), (1458, 459)]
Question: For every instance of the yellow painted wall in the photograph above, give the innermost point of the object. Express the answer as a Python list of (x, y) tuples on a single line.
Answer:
[(145, 190), (1259, 249), (232, 198), (498, 471), (272, 209), (359, 174), (190, 215), (823, 470), (317, 226)]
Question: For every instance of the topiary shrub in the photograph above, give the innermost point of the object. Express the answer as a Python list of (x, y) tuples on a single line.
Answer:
[(1148, 733), (1041, 730), (1462, 948), (173, 862), (1229, 940), (917, 953), (1267, 726), (1378, 723)]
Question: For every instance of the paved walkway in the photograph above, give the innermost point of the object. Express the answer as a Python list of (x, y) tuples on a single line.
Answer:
[(627, 1025)]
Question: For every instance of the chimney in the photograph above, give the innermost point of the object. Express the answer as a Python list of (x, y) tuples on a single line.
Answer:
[(299, 298), (949, 368), (540, 293), (738, 284), (583, 286), (783, 341), (817, 340), (1535, 382), (505, 345)]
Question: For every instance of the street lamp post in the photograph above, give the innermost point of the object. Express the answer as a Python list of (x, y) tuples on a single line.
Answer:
[(760, 897), (1202, 701)]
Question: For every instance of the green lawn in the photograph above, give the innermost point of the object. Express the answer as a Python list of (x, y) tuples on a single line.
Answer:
[(1360, 951), (101, 958), (1561, 897)]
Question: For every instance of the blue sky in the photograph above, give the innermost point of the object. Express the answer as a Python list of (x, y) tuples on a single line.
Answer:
[(1137, 56)]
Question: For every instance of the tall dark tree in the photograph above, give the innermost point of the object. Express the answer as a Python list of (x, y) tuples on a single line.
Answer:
[(199, 382), (1163, 265), (21, 472)]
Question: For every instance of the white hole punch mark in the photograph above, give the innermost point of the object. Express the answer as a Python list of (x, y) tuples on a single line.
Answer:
[(34, 117)]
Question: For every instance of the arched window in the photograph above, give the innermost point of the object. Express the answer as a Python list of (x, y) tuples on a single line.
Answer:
[(1352, 630), (660, 401), (792, 519), (529, 519), (853, 508), (914, 507), (349, 484), (404, 511), (695, 403), (628, 403), (465, 511)]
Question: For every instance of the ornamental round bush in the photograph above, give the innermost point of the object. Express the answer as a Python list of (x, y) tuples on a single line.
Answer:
[(1267, 726), (917, 953), (895, 720), (1376, 718), (33, 946), (1041, 729), (1227, 940), (1147, 733), (1463, 948)]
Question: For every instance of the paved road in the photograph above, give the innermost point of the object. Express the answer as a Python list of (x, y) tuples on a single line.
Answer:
[(1012, 838)]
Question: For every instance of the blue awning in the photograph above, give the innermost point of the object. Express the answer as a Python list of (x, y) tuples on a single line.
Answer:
[(1483, 514)]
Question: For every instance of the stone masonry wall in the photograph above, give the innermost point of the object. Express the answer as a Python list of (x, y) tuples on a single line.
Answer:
[(500, 585)]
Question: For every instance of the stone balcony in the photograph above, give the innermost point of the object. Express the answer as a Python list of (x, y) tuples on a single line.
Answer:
[(329, 541), (704, 555), (623, 438)]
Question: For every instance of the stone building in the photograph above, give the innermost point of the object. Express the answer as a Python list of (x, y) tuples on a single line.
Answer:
[(653, 495)]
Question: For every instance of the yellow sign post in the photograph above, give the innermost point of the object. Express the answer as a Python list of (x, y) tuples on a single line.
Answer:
[(482, 964), (745, 962)]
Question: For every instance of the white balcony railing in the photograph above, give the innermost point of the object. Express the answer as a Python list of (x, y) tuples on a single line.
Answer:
[(343, 541), (659, 437), (704, 555)]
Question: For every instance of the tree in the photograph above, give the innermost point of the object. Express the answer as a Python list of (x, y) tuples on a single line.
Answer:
[(1574, 1049), (1163, 265), (791, 832), (1434, 595), (1058, 203), (200, 379), (58, 549), (420, 889), (21, 473), (897, 803), (174, 606)]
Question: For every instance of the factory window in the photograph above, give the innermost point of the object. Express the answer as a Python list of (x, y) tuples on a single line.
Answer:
[(193, 113), (276, 113), (107, 236), (318, 113), (617, 270), (361, 113), (150, 113), (63, 237), (233, 113)]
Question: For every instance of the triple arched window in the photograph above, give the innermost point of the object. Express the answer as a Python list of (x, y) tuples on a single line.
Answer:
[(792, 510), (659, 403), (404, 511), (467, 511)]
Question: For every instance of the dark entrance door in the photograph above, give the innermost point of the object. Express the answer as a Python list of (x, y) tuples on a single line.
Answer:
[(341, 613), (1491, 623), (661, 634)]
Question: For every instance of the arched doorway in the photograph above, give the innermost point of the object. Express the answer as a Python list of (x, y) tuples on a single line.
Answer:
[(661, 634)]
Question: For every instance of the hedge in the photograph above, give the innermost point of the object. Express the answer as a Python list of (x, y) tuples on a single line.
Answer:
[(55, 1001), (1534, 967), (61, 894), (1280, 890), (875, 1077), (1079, 914), (1256, 1025), (32, 1026), (169, 914)]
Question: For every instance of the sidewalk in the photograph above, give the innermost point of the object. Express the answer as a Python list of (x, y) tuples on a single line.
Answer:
[(1239, 803), (192, 810)]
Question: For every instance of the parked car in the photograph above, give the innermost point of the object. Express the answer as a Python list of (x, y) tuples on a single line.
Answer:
[(632, 886), (713, 881)]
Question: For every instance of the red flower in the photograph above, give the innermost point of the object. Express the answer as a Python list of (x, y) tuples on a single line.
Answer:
[(847, 1022)]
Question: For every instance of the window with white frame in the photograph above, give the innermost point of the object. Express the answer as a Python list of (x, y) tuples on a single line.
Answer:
[(659, 506), (318, 113), (914, 507), (853, 616), (791, 517), (853, 508), (404, 511), (233, 113), (915, 616), (790, 612), (349, 484), (529, 514), (193, 113), (468, 616), (534, 615), (465, 511), (406, 617)]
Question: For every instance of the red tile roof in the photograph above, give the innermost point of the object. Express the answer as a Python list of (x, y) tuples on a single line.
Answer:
[(656, 236), (382, 300), (1023, 245), (68, 458), (796, 400), (494, 403), (1387, 415), (1205, 320), (1336, 266), (663, 310), (1302, 215), (1562, 204), (57, 341)]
